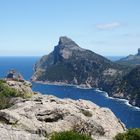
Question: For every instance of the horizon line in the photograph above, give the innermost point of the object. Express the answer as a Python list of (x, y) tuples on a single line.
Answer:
[(43, 55)]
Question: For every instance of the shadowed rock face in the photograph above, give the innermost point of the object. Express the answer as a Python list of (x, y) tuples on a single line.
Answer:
[(41, 115), (13, 74), (129, 87)]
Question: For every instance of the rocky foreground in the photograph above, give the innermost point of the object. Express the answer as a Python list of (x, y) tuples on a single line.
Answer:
[(39, 116)]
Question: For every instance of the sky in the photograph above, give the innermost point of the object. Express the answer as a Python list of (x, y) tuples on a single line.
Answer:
[(33, 27)]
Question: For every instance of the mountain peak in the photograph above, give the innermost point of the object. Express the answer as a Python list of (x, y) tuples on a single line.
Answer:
[(65, 48), (68, 44), (63, 40)]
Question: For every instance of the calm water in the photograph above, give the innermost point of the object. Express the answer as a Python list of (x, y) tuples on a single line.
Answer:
[(129, 115)]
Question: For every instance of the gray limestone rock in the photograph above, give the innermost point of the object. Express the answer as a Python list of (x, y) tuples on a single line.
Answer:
[(42, 115)]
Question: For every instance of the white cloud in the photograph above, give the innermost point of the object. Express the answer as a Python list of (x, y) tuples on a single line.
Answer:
[(108, 26)]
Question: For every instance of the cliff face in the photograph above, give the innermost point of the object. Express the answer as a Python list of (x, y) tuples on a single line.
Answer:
[(129, 87), (39, 116), (70, 64)]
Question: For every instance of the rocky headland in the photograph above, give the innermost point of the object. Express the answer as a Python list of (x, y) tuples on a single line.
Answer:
[(69, 64)]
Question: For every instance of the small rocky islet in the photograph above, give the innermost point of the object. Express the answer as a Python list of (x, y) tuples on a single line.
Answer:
[(33, 116)]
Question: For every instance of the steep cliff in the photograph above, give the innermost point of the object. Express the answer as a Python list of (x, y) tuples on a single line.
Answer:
[(129, 87), (70, 64)]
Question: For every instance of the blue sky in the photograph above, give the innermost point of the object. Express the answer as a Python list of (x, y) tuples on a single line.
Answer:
[(33, 27)]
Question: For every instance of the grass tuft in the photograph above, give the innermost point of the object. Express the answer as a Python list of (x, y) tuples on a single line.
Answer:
[(69, 135), (131, 134)]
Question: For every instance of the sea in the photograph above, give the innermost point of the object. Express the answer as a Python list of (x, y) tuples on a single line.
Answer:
[(128, 114)]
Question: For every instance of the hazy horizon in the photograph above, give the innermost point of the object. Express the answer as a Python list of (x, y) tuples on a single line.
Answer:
[(46, 54)]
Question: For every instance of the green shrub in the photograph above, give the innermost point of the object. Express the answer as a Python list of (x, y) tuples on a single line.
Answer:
[(120, 136), (69, 135), (6, 93), (131, 134), (5, 103)]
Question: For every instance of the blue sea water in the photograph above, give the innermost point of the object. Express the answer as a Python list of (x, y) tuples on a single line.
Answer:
[(130, 116)]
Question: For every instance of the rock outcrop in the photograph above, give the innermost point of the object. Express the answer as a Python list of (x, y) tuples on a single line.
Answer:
[(129, 87), (37, 117), (23, 87), (15, 80), (14, 75)]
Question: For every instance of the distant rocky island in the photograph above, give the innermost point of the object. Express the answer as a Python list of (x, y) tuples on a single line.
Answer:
[(68, 63), (131, 60), (27, 115)]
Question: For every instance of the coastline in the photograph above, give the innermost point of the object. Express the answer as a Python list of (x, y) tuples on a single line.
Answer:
[(63, 84), (125, 101), (119, 99)]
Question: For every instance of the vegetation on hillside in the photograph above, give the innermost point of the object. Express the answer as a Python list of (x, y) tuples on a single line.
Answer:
[(70, 64), (7, 93), (130, 86), (70, 135), (132, 134)]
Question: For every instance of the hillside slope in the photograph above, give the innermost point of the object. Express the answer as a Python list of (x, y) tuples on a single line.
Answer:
[(70, 64), (129, 87), (131, 60)]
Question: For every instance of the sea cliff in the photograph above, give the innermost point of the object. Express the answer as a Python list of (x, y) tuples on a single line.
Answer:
[(69, 64)]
